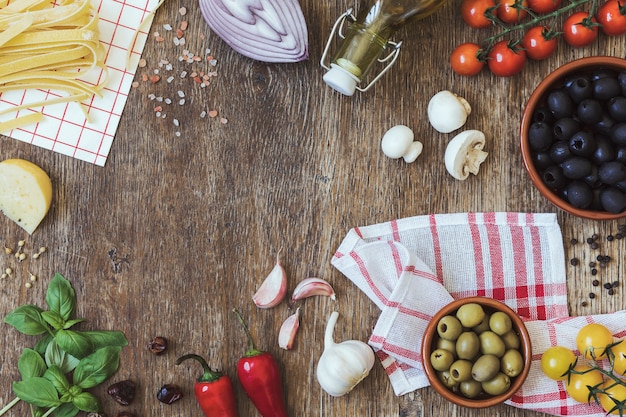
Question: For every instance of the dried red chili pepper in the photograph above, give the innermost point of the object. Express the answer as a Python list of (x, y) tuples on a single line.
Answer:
[(260, 378), (214, 390)]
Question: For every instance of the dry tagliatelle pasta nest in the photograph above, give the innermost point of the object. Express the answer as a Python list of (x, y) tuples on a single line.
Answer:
[(47, 45)]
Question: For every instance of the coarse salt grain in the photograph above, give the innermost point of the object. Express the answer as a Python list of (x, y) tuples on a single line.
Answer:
[(135, 84), (176, 122), (203, 114), (142, 63), (170, 79), (212, 113), (223, 121), (181, 93), (167, 26), (182, 11), (177, 134), (168, 101), (181, 102), (184, 24)]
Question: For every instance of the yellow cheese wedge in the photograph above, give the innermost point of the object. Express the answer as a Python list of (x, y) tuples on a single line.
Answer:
[(25, 193)]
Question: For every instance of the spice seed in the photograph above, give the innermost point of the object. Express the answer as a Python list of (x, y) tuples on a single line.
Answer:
[(574, 261), (592, 295)]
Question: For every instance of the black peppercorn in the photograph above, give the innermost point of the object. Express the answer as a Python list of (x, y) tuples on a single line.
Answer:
[(589, 240), (608, 285), (123, 392), (592, 295), (615, 284), (584, 304), (595, 236), (592, 264), (574, 261), (619, 236), (594, 271), (609, 238), (594, 245), (158, 345), (610, 291), (169, 394), (595, 283), (573, 241)]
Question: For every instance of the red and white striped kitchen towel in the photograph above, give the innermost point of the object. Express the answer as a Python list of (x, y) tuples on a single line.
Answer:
[(412, 267)]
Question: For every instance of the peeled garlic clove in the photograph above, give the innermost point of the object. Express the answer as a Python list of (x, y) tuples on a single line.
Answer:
[(288, 330), (447, 111), (309, 287), (273, 289)]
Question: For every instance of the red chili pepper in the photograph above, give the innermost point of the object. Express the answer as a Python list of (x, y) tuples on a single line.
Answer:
[(259, 376), (214, 390)]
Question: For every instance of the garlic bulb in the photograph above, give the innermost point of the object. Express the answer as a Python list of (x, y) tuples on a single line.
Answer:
[(342, 365)]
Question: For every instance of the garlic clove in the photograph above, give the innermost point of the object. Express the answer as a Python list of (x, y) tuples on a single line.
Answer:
[(447, 111), (310, 287), (398, 142), (273, 289), (342, 365), (288, 330), (464, 154)]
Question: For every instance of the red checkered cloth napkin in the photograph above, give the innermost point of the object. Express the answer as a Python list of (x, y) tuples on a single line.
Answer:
[(412, 267)]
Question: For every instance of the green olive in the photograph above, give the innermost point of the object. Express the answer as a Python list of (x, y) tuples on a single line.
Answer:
[(497, 385), (449, 327), (467, 345), (441, 359), (448, 345), (485, 368), (511, 340), (470, 314), (446, 379), (512, 363), (461, 370), (483, 326), (500, 323), (491, 344), (471, 388)]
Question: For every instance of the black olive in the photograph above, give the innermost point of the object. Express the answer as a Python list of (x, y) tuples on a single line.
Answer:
[(605, 151), (605, 88), (564, 128), (618, 133), (540, 136), (620, 155), (621, 186), (560, 104), (579, 194), (612, 172), (559, 151), (604, 126), (582, 143), (613, 200), (622, 81), (617, 108), (589, 111), (543, 114), (542, 160), (580, 88), (603, 73), (576, 167), (553, 177), (593, 180)]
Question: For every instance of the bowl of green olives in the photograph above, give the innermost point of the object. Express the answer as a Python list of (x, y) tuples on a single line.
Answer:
[(573, 137), (476, 352)]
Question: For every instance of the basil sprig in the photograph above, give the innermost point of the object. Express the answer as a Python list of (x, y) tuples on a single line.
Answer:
[(64, 363)]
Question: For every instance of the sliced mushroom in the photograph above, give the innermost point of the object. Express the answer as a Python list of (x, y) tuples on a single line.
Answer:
[(447, 111), (464, 154)]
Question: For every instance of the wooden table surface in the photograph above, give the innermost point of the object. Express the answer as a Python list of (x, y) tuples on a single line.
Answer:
[(175, 231)]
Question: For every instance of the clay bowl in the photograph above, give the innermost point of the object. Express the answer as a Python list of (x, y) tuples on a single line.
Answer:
[(483, 400), (557, 79)]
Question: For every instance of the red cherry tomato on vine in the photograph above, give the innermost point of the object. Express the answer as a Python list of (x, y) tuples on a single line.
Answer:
[(464, 59), (509, 14), (612, 16), (504, 61), (473, 12), (544, 6), (536, 45), (579, 30)]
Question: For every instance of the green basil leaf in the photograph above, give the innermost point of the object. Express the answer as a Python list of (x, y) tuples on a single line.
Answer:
[(53, 319), (87, 402), (61, 297), (105, 338), (55, 375), (31, 364), (42, 343), (66, 410), (56, 356), (27, 319), (97, 367), (74, 343), (37, 391), (72, 322)]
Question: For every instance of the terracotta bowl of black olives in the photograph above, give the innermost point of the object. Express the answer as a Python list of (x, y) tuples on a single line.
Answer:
[(476, 352), (573, 137)]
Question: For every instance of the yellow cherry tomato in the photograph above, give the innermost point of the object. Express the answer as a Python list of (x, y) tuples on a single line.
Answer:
[(577, 384), (619, 363), (593, 337), (613, 394), (555, 362)]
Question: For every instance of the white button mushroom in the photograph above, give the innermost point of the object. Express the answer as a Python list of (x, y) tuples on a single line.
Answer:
[(464, 154), (398, 143), (447, 111)]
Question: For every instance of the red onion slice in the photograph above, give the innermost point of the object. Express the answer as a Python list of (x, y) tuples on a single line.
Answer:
[(264, 30)]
